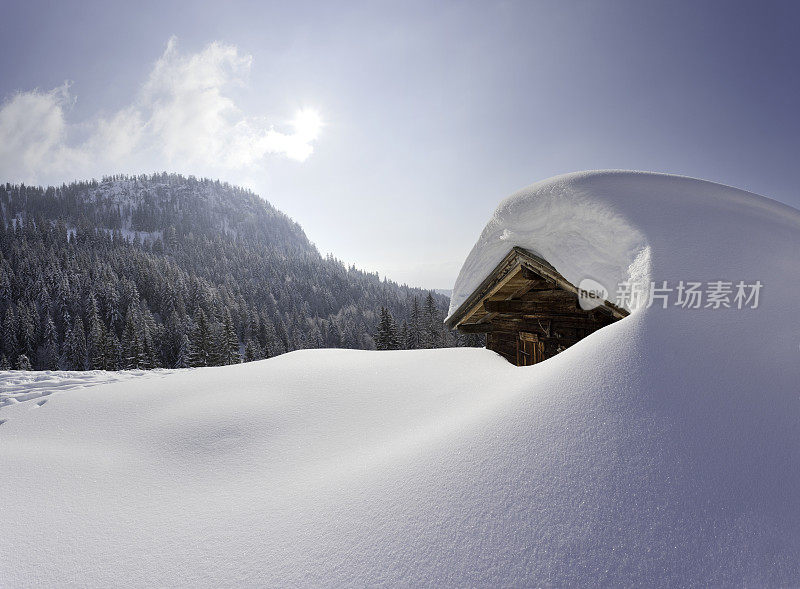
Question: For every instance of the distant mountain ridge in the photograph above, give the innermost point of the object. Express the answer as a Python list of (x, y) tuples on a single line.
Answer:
[(151, 204), (168, 270)]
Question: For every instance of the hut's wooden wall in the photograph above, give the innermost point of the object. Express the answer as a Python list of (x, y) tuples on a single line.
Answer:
[(555, 333), (504, 343), (526, 295)]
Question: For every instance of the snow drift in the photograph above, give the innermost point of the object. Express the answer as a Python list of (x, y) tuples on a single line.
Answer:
[(660, 450)]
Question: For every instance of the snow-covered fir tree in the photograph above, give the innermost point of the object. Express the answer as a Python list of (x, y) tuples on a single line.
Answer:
[(23, 363), (201, 343), (386, 338), (431, 324)]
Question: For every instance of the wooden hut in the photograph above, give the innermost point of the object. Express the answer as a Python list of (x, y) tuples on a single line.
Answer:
[(528, 311)]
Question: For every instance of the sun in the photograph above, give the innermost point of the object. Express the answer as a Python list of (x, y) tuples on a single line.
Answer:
[(307, 124)]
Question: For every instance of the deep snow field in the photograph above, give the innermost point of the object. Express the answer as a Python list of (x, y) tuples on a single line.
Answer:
[(662, 450)]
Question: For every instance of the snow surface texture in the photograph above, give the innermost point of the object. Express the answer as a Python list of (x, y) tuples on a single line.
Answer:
[(17, 386), (662, 450)]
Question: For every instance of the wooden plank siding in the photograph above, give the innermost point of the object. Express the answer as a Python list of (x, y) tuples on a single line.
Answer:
[(529, 311)]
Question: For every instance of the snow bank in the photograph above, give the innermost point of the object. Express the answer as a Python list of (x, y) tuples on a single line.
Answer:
[(662, 450)]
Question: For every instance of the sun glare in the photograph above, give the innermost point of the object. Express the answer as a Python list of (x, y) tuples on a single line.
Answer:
[(307, 124)]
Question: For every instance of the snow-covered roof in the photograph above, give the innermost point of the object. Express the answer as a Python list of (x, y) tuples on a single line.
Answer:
[(501, 281), (571, 221)]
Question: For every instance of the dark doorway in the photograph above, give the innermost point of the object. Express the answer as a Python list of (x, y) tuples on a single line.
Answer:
[(529, 349)]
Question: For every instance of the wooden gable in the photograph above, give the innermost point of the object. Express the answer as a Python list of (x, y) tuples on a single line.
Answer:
[(529, 311)]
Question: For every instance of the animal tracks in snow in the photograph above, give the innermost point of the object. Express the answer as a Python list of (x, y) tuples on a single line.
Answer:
[(18, 386)]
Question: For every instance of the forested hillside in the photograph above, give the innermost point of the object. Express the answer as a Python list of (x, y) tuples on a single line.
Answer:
[(170, 271)]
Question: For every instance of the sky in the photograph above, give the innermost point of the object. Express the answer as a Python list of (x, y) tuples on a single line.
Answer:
[(391, 131)]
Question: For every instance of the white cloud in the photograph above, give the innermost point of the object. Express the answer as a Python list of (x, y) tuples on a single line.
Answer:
[(32, 131), (183, 118)]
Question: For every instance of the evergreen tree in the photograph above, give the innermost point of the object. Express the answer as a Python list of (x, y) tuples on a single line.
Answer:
[(414, 338), (201, 352), (253, 325), (146, 326), (96, 341), (5, 286), (9, 339), (111, 356), (252, 351), (50, 350), (230, 343), (386, 338), (268, 341), (27, 329), (74, 354), (431, 324), (217, 353), (314, 339), (172, 340), (183, 359), (133, 352), (23, 363), (402, 336)]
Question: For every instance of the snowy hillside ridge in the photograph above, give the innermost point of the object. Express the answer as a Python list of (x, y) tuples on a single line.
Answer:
[(167, 271), (138, 194), (604, 226), (149, 204)]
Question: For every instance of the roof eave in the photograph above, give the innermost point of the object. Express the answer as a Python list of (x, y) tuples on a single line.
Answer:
[(518, 256)]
